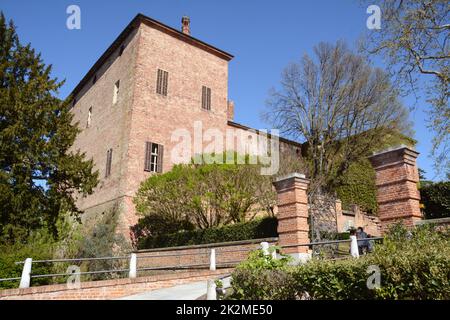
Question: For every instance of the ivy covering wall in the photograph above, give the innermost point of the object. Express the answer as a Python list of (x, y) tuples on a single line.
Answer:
[(358, 183), (358, 187)]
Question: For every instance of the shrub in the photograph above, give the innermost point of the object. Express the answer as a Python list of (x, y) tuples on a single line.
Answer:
[(260, 268), (193, 196), (255, 229), (103, 240), (413, 265), (40, 246)]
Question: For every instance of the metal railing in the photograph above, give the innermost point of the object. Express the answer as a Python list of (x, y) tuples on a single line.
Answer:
[(132, 269)]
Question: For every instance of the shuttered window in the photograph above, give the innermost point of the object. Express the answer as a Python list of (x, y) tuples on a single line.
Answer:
[(162, 82), (153, 157), (206, 98), (108, 162)]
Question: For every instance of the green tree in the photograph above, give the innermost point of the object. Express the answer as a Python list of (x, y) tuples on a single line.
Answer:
[(202, 196), (40, 176), (413, 40), (435, 197)]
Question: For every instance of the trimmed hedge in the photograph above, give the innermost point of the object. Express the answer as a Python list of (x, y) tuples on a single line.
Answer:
[(412, 266), (255, 229)]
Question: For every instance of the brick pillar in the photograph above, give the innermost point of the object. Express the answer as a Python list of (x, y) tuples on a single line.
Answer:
[(396, 180), (292, 214)]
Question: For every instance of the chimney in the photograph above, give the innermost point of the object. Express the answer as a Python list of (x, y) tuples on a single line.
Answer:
[(185, 25)]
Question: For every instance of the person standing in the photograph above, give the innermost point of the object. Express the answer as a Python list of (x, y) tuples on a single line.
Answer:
[(363, 246)]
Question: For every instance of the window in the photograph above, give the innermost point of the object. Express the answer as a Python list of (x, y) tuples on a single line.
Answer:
[(108, 163), (162, 82), (206, 98), (89, 118), (153, 157), (116, 91)]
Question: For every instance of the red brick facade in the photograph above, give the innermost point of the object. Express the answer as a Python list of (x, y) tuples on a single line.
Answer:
[(292, 202), (141, 114), (396, 180), (110, 289)]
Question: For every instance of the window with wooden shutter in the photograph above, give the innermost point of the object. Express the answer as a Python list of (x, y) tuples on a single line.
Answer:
[(206, 98), (162, 82), (108, 162), (153, 157)]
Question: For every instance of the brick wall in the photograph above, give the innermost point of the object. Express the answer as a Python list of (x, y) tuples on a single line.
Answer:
[(110, 289), (142, 115), (396, 180), (172, 266), (109, 126), (227, 253)]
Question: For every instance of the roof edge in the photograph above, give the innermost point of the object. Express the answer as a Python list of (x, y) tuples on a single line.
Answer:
[(137, 20), (243, 127)]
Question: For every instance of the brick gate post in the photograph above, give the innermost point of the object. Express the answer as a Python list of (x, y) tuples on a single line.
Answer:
[(292, 202), (396, 181)]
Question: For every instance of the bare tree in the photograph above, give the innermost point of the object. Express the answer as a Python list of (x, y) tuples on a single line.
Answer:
[(413, 39), (340, 107)]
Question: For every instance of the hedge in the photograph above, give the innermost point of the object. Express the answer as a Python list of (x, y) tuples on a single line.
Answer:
[(412, 266), (255, 229)]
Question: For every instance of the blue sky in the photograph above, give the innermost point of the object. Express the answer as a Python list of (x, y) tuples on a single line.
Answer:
[(264, 36)]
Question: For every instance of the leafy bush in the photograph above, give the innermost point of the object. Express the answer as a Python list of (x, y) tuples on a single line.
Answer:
[(193, 196), (255, 229), (413, 265), (103, 240), (436, 199), (260, 268), (40, 246)]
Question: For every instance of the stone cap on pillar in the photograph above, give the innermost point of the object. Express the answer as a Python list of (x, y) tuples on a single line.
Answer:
[(398, 154), (289, 180)]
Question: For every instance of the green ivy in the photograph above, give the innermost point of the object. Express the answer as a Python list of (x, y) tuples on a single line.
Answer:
[(358, 187)]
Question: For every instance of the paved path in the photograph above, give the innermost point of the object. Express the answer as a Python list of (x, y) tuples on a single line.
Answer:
[(190, 291)]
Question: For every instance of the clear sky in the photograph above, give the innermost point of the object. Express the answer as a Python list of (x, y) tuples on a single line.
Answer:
[(264, 36)]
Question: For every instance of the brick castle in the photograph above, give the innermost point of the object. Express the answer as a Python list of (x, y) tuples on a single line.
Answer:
[(151, 81)]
